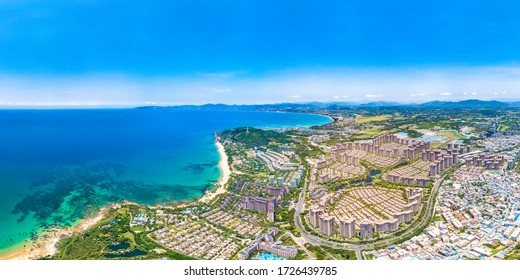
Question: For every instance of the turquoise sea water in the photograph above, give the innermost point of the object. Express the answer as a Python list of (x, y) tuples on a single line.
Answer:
[(57, 166)]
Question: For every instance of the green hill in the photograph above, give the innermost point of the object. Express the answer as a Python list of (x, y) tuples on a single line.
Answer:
[(254, 137)]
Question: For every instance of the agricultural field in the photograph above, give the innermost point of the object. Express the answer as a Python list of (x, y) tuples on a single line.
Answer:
[(452, 134), (366, 119)]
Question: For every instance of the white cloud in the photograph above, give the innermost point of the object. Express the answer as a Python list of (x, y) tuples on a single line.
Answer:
[(474, 93), (335, 96), (373, 95), (222, 90), (307, 84), (465, 93), (218, 90)]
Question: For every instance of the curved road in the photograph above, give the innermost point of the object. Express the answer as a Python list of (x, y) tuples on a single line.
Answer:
[(316, 240)]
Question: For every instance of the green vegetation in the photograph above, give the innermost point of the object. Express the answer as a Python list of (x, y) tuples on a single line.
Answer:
[(99, 242), (412, 133), (438, 218), (495, 248), (251, 137), (452, 134), (113, 231), (365, 119), (514, 254), (327, 253), (284, 215), (304, 149)]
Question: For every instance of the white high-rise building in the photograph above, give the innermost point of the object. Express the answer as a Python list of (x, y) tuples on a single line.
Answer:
[(365, 229), (347, 228), (327, 224)]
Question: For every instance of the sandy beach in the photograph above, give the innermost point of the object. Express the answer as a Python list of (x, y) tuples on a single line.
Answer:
[(46, 245), (224, 177)]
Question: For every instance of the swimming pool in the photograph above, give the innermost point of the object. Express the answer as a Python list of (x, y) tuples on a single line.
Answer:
[(269, 256)]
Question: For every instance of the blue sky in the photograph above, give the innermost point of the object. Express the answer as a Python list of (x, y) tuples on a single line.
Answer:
[(192, 52)]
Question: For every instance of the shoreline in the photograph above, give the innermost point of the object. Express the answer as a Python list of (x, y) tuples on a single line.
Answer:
[(46, 245), (225, 170)]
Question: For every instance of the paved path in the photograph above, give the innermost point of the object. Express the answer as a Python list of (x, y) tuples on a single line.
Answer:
[(300, 241)]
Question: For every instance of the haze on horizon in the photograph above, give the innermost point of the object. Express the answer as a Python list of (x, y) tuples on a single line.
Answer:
[(112, 53)]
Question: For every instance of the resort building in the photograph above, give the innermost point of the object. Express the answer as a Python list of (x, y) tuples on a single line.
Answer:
[(263, 205), (265, 242)]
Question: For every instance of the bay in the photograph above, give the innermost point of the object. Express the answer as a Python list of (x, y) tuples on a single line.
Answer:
[(59, 166)]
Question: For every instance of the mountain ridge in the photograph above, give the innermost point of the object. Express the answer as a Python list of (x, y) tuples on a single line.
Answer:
[(469, 103)]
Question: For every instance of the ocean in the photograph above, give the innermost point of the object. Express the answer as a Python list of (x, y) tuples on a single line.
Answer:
[(59, 166)]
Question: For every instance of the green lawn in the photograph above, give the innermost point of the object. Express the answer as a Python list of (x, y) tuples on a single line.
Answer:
[(365, 119)]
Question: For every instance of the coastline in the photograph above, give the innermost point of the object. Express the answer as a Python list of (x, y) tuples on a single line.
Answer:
[(48, 237), (46, 245), (225, 173)]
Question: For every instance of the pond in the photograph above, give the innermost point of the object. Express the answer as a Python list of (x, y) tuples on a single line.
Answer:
[(133, 253), (367, 180), (120, 246)]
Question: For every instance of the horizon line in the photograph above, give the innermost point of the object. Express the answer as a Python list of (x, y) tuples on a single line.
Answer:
[(51, 106)]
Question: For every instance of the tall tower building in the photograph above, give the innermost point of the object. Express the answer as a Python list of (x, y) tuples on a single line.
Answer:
[(365, 229), (314, 215), (327, 224), (347, 228)]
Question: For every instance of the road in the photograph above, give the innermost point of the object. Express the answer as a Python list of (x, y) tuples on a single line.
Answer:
[(316, 240), (300, 243)]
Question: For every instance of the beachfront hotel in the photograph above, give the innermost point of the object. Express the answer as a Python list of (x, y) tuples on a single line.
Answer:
[(263, 205), (265, 242)]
